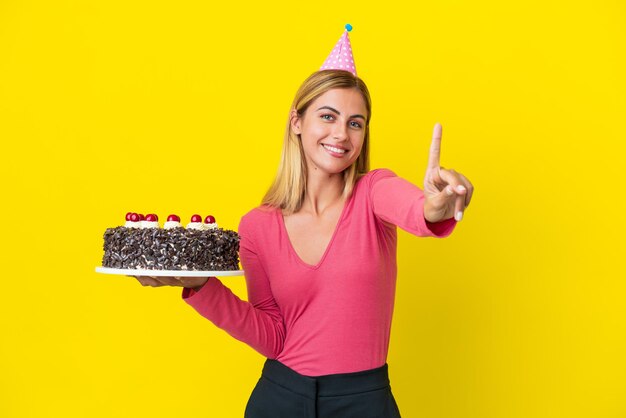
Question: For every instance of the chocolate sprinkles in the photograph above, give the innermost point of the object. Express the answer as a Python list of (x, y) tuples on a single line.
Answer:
[(171, 249)]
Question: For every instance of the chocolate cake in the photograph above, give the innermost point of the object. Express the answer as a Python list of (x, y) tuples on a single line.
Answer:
[(197, 247)]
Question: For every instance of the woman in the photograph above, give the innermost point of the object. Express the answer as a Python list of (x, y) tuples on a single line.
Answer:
[(319, 256)]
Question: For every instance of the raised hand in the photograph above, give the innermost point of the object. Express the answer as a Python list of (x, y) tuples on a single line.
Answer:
[(447, 193)]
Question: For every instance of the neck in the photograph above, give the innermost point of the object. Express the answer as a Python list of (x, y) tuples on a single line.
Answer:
[(322, 191)]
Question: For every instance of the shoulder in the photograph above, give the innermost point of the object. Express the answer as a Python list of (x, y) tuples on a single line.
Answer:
[(379, 173), (256, 218), (375, 175)]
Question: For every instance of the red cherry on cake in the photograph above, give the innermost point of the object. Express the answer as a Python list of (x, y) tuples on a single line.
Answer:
[(134, 217), (209, 220), (151, 217), (196, 218), (128, 216), (173, 218), (141, 217)]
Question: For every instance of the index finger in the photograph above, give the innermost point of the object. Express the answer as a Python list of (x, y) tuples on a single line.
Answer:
[(435, 147)]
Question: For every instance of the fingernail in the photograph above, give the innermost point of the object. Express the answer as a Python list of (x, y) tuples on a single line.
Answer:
[(449, 191), (460, 188), (459, 216)]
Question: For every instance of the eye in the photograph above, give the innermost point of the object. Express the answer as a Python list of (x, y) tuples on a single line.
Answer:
[(355, 124)]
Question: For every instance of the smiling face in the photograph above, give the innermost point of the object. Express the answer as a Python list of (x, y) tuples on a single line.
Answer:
[(332, 130)]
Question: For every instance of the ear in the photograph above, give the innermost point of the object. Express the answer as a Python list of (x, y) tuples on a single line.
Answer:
[(295, 121)]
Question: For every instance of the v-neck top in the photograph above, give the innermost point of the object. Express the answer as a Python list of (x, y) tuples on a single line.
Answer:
[(334, 317), (281, 221)]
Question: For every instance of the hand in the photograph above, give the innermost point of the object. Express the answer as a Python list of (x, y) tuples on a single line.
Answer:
[(194, 283), (447, 193)]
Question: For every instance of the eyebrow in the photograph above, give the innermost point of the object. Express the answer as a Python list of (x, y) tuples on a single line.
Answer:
[(337, 112)]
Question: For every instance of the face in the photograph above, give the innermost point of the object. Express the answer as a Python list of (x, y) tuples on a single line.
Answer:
[(332, 130)]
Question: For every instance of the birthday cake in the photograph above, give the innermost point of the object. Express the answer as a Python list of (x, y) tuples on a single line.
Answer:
[(141, 243)]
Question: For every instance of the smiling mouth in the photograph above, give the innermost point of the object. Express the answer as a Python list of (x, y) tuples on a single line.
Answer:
[(335, 150)]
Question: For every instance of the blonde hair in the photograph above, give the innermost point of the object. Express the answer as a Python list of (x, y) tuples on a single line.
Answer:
[(288, 189)]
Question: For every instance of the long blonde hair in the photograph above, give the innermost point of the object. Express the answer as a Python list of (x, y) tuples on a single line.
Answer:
[(288, 189)]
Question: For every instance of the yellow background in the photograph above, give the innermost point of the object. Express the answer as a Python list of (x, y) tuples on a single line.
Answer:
[(111, 106)]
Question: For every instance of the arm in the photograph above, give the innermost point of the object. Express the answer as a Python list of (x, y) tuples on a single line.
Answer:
[(256, 322), (397, 201)]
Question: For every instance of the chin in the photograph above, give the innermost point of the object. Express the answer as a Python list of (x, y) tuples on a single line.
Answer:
[(333, 169)]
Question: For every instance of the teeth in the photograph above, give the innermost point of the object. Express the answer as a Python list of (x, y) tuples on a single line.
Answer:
[(334, 149)]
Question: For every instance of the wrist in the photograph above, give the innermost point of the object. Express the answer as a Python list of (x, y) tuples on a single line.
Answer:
[(197, 288), (427, 212)]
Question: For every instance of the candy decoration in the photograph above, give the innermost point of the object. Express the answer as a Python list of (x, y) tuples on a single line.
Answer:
[(153, 217)]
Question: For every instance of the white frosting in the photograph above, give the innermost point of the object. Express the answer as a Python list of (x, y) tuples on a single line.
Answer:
[(207, 227), (172, 224), (131, 224), (195, 225), (149, 224)]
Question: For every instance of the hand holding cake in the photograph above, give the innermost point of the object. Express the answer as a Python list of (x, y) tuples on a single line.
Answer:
[(156, 281)]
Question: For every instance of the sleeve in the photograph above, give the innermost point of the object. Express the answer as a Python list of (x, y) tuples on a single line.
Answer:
[(397, 201), (257, 322)]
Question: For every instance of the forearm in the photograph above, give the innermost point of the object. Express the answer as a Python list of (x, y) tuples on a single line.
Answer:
[(261, 326)]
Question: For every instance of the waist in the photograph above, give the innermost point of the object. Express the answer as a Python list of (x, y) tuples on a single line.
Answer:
[(326, 385)]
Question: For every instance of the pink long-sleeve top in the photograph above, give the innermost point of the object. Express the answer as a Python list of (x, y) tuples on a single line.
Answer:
[(334, 317)]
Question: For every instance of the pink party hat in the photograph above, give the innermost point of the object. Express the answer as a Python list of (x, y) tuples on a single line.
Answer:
[(341, 56)]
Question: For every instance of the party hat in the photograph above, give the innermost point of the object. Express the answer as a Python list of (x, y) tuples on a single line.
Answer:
[(341, 56)]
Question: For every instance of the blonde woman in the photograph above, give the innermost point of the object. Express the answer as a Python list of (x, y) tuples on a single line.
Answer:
[(319, 256)]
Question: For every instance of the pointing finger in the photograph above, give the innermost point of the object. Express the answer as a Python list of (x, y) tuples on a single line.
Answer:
[(435, 147)]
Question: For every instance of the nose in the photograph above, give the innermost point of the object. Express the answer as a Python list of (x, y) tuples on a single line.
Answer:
[(340, 132)]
